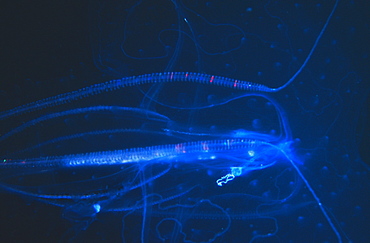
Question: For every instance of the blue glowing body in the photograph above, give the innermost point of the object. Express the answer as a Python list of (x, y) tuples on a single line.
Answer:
[(245, 153)]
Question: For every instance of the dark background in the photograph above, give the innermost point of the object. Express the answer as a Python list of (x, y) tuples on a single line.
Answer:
[(46, 50)]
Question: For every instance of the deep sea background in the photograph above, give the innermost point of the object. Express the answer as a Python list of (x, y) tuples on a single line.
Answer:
[(47, 49)]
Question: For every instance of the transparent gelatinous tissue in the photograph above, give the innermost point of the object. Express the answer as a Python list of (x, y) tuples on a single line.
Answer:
[(216, 121)]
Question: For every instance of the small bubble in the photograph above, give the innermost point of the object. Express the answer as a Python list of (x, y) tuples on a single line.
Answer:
[(325, 168), (300, 219), (253, 183), (320, 226), (278, 66), (280, 26), (257, 124)]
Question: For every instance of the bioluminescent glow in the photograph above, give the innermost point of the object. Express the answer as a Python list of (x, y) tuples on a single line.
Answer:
[(225, 122)]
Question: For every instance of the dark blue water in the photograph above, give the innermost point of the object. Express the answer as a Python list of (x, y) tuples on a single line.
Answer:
[(274, 152)]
